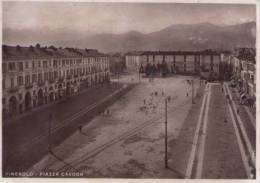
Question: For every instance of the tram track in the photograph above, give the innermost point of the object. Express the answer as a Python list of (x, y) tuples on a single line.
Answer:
[(77, 162)]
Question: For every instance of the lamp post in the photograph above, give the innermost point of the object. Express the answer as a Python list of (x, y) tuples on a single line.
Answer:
[(49, 133), (191, 82), (166, 137), (192, 92)]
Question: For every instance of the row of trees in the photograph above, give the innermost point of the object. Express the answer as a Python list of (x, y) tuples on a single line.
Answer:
[(152, 69)]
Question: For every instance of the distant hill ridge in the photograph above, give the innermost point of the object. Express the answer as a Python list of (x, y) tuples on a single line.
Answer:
[(190, 37)]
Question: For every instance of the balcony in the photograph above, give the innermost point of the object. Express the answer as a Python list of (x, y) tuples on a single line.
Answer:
[(14, 89), (28, 85), (51, 80), (41, 83), (61, 80)]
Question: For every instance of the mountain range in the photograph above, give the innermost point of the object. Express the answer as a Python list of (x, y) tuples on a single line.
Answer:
[(183, 37)]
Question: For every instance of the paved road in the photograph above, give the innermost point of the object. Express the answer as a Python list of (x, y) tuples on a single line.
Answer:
[(129, 142)]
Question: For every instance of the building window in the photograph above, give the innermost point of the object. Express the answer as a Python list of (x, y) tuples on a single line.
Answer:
[(45, 64), (3, 83), (20, 66), (12, 66), (39, 64), (34, 78), (27, 79), (51, 76), (55, 63), (12, 82), (55, 74), (63, 62), (26, 65), (20, 80), (40, 77), (33, 64), (4, 67), (3, 101), (20, 96), (45, 76)]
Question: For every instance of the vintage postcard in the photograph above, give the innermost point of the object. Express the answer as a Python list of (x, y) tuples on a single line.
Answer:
[(128, 90)]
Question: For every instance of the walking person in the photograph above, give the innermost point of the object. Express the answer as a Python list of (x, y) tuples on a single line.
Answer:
[(80, 128)]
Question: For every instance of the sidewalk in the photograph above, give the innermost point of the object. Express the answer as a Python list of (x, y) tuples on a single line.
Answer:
[(222, 158), (222, 154), (247, 117)]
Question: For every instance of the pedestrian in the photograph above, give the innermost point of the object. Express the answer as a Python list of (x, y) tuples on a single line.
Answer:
[(187, 94), (222, 89), (237, 111), (162, 93), (227, 96), (80, 128), (225, 120), (144, 101)]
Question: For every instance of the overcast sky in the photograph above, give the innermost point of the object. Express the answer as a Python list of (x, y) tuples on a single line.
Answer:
[(119, 17)]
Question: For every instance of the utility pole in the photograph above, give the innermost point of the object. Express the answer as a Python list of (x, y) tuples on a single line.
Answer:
[(166, 136), (117, 77), (139, 75), (49, 133), (192, 88)]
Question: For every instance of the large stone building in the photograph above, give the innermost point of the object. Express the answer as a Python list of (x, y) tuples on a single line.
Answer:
[(34, 76), (242, 64), (181, 62)]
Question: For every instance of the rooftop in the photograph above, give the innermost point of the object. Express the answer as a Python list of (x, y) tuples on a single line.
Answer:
[(204, 52), (38, 52)]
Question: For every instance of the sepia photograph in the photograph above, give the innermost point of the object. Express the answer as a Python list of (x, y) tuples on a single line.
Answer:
[(158, 90)]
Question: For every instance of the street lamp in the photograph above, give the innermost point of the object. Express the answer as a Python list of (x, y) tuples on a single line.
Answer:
[(166, 136), (191, 82)]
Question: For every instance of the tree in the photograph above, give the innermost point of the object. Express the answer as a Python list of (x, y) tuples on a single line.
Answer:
[(38, 45)]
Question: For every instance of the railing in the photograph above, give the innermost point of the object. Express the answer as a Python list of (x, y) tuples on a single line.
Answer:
[(28, 86), (61, 79), (14, 89), (41, 83), (51, 81)]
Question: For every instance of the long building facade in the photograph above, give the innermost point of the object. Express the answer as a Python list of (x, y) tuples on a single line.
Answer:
[(180, 62), (242, 69), (35, 76)]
